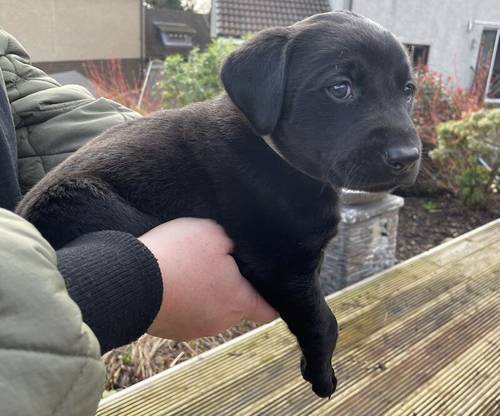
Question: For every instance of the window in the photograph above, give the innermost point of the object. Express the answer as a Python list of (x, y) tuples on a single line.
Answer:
[(488, 64), (177, 39), (175, 35), (418, 54)]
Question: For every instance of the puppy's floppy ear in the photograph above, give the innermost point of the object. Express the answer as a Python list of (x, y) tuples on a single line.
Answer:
[(254, 77)]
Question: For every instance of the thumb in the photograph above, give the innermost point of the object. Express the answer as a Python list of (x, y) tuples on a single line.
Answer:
[(259, 310)]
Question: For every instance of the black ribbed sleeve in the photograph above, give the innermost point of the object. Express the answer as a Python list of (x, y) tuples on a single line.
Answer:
[(116, 282)]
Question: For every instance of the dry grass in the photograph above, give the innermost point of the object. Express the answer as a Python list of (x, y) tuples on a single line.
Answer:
[(149, 355)]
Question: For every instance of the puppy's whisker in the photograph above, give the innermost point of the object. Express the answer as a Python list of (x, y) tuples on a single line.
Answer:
[(351, 175), (334, 157), (347, 175), (323, 185), (357, 177)]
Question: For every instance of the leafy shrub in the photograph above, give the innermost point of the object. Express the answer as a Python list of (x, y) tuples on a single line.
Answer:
[(197, 77), (460, 145)]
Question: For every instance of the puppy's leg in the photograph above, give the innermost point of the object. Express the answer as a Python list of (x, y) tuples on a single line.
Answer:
[(66, 210), (310, 319), (302, 306)]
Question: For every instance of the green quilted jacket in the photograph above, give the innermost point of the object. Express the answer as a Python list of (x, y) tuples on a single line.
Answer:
[(49, 359), (50, 119), (49, 366)]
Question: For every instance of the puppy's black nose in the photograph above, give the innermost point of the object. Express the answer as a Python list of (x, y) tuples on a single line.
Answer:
[(401, 159)]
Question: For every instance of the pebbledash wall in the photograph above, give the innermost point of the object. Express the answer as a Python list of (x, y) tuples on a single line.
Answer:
[(446, 26), (61, 34)]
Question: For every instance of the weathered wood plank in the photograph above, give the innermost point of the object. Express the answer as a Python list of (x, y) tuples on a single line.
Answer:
[(419, 339)]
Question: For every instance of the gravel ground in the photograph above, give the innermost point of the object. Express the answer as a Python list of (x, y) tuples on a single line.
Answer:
[(427, 222)]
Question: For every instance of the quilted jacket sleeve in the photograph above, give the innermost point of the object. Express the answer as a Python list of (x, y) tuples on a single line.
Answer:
[(42, 336), (52, 121)]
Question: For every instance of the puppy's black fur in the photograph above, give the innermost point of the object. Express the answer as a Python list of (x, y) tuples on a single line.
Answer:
[(332, 95)]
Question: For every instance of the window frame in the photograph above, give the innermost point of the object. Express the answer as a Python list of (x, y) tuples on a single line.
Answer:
[(410, 47), (490, 71)]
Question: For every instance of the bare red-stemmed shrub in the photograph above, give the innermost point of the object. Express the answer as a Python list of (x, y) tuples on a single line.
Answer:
[(439, 99), (110, 81)]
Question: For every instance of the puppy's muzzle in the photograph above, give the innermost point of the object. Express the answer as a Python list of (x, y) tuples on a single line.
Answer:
[(401, 159)]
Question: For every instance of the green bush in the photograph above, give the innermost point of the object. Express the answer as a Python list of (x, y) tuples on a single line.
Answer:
[(460, 145), (197, 77)]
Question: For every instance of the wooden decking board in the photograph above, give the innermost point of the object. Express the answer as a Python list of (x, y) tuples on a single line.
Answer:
[(349, 389), (453, 395), (426, 358), (351, 329), (478, 366), (400, 336), (447, 384), (410, 321)]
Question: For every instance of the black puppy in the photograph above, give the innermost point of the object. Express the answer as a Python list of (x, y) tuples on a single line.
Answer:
[(310, 108)]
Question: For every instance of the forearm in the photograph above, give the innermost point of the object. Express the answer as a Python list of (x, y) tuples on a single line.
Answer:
[(116, 282)]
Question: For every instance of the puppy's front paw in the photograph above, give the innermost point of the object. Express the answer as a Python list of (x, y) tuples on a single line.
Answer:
[(323, 381)]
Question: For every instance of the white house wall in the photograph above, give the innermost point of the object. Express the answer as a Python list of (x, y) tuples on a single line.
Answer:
[(440, 24)]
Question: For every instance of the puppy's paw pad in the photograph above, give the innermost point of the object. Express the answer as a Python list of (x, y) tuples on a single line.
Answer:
[(303, 369), (323, 385), (326, 387)]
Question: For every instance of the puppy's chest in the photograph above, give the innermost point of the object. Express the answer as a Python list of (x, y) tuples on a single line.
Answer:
[(311, 217), (286, 227), (287, 242), (316, 227)]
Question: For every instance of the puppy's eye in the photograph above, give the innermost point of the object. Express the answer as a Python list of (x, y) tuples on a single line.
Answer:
[(340, 90), (409, 91)]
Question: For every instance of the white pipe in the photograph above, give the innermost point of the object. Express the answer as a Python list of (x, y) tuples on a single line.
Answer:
[(145, 83)]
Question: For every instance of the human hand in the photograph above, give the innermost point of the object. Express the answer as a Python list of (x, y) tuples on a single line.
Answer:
[(203, 291)]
